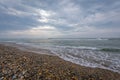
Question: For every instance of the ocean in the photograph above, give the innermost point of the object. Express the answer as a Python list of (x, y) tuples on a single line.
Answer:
[(91, 52)]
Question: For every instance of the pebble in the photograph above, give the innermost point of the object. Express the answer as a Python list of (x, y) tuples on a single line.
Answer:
[(22, 65)]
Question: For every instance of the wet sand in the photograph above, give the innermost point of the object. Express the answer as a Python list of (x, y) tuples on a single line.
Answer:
[(16, 64)]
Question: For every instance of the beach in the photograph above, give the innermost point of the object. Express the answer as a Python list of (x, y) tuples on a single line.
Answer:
[(16, 64)]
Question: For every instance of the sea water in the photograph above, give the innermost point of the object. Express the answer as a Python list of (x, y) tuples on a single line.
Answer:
[(91, 52)]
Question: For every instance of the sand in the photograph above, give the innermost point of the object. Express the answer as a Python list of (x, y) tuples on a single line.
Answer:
[(16, 64)]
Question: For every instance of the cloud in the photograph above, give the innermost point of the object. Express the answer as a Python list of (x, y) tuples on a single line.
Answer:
[(39, 32), (101, 18), (44, 16), (44, 28), (60, 18)]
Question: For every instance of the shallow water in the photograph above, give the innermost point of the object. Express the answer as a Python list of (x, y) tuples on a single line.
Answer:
[(91, 52)]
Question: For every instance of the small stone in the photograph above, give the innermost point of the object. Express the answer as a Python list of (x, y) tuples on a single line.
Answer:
[(0, 67), (22, 77), (14, 76), (24, 72), (1, 78)]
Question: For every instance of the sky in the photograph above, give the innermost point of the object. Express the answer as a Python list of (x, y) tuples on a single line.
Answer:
[(59, 18)]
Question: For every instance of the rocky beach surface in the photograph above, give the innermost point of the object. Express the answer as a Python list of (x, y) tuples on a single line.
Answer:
[(16, 64)]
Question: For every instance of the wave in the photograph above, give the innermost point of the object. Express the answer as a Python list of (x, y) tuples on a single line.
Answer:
[(113, 38), (82, 55), (79, 38), (89, 57), (110, 50), (77, 47)]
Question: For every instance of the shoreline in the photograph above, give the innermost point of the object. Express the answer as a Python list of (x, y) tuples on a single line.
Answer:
[(33, 49), (23, 65)]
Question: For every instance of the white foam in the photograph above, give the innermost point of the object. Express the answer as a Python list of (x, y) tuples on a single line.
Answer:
[(89, 58), (85, 56)]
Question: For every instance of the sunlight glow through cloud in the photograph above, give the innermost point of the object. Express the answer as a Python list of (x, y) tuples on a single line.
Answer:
[(60, 18)]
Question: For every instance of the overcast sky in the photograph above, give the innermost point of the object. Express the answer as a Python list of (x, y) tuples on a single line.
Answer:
[(59, 18)]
